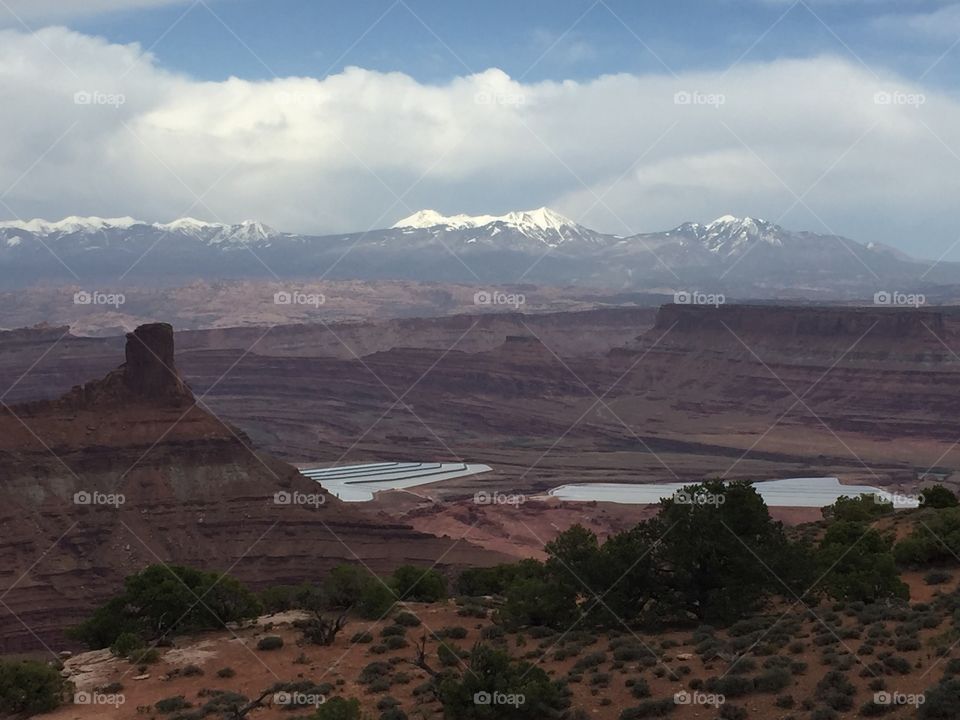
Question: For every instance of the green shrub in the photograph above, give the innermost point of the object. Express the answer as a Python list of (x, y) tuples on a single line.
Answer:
[(773, 680), (494, 671), (942, 701), (492, 632), (649, 709), (396, 642), (162, 599), (419, 584), (126, 643), (270, 642), (338, 708), (391, 630), (393, 714), (640, 688), (732, 712), (835, 691), (456, 632), (591, 660), (29, 687), (407, 619), (730, 685), (172, 704), (938, 496), (280, 598), (374, 671), (446, 655), (146, 656)]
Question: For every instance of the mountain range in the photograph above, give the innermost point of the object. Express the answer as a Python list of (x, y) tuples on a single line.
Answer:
[(742, 255)]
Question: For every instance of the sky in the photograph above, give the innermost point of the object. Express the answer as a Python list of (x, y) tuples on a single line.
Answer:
[(835, 116)]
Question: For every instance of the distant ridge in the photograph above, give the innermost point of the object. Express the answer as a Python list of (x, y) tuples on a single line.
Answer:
[(740, 256)]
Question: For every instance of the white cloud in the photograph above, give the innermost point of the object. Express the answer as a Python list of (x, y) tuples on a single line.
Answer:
[(304, 154)]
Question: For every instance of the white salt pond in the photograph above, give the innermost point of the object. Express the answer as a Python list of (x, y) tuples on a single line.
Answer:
[(792, 492), (358, 483)]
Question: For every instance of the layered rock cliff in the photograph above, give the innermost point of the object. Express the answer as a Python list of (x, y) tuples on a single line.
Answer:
[(131, 470)]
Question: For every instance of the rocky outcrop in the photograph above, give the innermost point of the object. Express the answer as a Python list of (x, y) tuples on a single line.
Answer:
[(149, 371), (128, 471), (149, 375)]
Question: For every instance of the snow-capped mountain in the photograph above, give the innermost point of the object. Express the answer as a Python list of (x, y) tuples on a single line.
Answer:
[(542, 225), (535, 246), (540, 219), (70, 224), (729, 236), (248, 231)]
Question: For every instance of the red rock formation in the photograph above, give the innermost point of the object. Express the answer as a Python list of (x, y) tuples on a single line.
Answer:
[(149, 375), (129, 471)]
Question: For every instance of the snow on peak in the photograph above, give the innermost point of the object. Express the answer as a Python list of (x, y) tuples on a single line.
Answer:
[(541, 219), (71, 224), (727, 220), (250, 230), (431, 218), (214, 232), (729, 234), (217, 232), (188, 224)]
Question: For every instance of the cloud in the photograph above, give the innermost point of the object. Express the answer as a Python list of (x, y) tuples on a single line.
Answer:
[(871, 158)]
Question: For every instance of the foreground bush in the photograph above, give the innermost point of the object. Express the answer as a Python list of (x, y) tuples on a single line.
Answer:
[(942, 701), (419, 584), (270, 642), (29, 688), (162, 600), (494, 674), (338, 708), (938, 496), (937, 540), (697, 559)]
